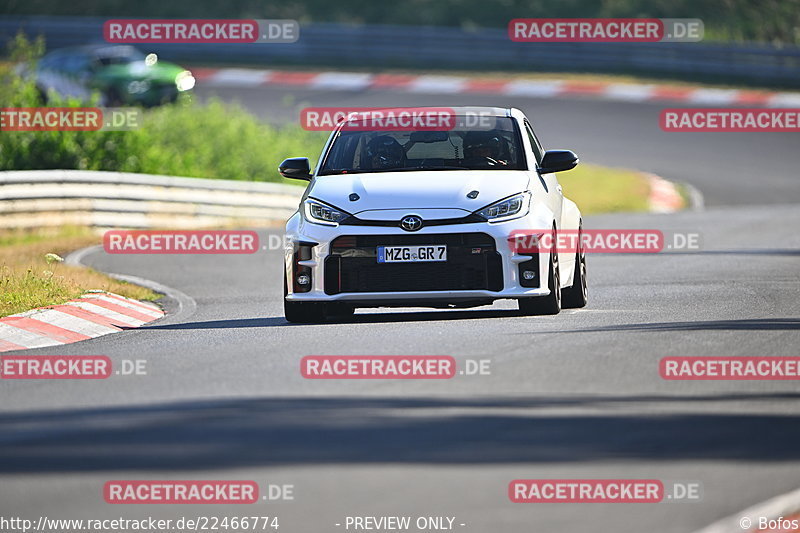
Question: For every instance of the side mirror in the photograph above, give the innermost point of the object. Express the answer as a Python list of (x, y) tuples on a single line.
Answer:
[(558, 161), (296, 168)]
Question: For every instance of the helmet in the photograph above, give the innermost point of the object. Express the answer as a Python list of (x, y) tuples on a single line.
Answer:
[(384, 152), (481, 144)]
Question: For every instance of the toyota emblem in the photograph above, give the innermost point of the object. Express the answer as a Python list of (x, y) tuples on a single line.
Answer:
[(411, 223)]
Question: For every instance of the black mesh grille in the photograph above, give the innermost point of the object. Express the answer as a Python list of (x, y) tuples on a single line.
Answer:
[(472, 264)]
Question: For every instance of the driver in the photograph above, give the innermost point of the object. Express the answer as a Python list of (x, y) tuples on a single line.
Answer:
[(488, 145), (384, 152)]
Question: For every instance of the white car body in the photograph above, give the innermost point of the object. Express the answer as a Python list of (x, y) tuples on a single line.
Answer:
[(385, 198)]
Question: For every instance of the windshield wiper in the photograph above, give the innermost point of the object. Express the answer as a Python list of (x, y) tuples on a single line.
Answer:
[(331, 172), (334, 171), (440, 167)]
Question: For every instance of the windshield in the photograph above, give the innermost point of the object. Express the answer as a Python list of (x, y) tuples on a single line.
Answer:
[(496, 146), (120, 55)]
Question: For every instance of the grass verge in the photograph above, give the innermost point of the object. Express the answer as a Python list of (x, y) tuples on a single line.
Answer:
[(598, 189), (31, 277)]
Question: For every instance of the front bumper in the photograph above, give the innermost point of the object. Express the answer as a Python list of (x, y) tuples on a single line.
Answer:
[(323, 251)]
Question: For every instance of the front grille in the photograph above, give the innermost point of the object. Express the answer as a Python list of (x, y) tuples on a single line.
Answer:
[(472, 264), (353, 220)]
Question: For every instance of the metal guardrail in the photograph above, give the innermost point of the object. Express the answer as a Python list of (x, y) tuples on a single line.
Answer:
[(40, 198), (383, 46)]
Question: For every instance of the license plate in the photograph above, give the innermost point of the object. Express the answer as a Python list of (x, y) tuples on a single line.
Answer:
[(412, 254)]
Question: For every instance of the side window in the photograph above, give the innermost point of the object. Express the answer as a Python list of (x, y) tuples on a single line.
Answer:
[(53, 61), (69, 65), (82, 64), (47, 61), (537, 148)]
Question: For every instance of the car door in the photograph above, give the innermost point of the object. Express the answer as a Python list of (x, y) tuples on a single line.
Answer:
[(67, 73), (80, 76), (548, 182), (48, 73), (555, 195)]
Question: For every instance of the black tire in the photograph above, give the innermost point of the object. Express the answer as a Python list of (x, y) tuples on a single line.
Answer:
[(42, 95), (302, 312), (575, 296), (113, 98), (550, 304)]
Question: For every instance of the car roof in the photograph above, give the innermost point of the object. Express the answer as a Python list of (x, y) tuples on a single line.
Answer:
[(463, 110), (511, 112), (99, 49), (484, 110), (505, 112)]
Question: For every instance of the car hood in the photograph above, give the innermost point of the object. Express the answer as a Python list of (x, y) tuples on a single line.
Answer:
[(444, 189), (138, 70)]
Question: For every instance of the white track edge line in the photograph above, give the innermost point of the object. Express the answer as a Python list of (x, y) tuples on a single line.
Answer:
[(778, 506), (186, 304)]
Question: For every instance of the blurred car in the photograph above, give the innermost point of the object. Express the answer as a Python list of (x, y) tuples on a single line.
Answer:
[(120, 73)]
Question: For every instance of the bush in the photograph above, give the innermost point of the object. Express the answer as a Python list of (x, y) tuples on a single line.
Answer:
[(213, 140)]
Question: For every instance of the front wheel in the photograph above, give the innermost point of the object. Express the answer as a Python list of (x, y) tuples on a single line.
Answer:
[(575, 296), (550, 304), (113, 98)]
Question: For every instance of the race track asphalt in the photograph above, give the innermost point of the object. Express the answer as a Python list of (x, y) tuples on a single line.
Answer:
[(576, 395)]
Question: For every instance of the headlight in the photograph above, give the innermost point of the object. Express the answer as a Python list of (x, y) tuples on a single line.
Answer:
[(513, 207), (184, 81), (320, 213)]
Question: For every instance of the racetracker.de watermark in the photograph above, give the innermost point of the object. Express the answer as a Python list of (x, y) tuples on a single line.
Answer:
[(605, 30), (605, 491), (604, 241), (68, 367), (378, 367), (180, 242), (55, 367), (376, 118), (397, 119), (732, 368), (180, 492), (730, 120), (211, 31), (586, 491), (70, 118)]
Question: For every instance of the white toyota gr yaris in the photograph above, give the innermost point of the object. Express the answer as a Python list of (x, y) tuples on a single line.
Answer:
[(425, 217)]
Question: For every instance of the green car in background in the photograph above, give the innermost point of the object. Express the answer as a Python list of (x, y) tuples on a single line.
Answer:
[(121, 74)]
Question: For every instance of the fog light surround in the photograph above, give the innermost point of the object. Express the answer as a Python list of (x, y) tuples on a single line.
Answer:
[(302, 273), (529, 272)]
